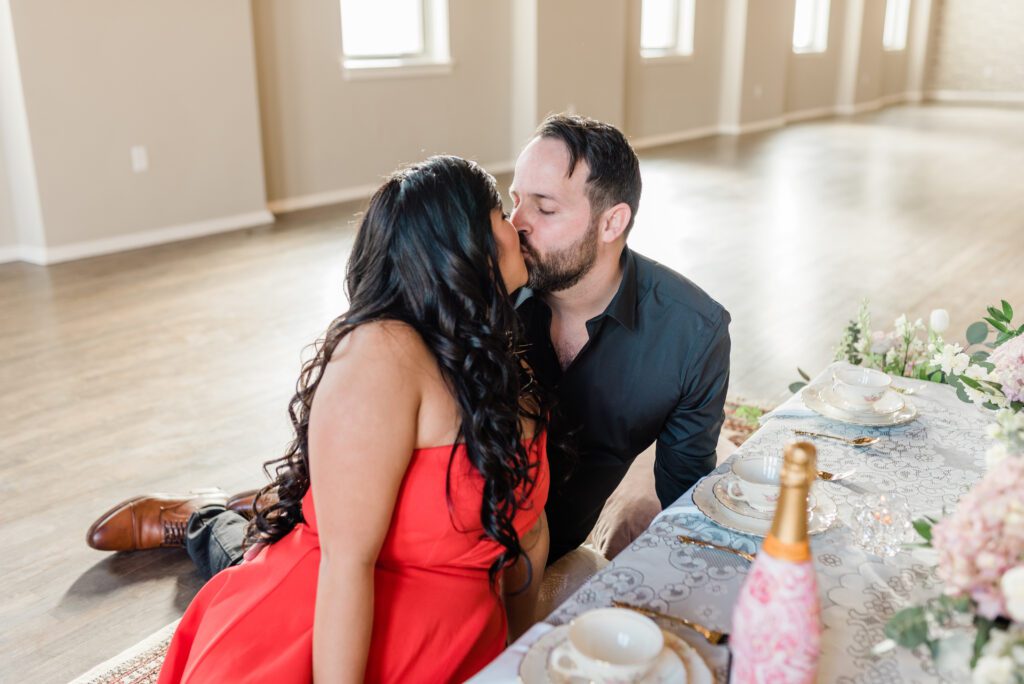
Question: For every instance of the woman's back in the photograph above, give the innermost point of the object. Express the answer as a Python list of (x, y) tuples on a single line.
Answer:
[(435, 615)]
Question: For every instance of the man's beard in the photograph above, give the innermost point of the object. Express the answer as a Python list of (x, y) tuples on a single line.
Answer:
[(562, 269)]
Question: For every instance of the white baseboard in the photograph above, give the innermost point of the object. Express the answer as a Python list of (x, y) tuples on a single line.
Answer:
[(672, 138), (359, 192), (859, 107), (978, 96), (812, 113), (44, 256), (9, 253), (753, 126)]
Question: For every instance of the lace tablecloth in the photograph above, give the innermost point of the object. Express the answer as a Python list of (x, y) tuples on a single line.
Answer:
[(932, 461)]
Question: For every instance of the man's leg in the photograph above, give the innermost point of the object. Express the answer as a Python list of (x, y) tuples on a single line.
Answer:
[(209, 526), (214, 539)]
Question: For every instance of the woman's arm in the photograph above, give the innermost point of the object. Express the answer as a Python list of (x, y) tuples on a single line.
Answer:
[(362, 432), (520, 602)]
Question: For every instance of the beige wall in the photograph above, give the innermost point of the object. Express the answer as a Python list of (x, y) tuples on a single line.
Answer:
[(581, 50), (870, 72), (769, 43), (174, 75), (8, 232), (978, 46), (665, 96), (324, 134), (812, 79)]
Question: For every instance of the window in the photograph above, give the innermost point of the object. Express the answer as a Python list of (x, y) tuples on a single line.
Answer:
[(897, 19), (379, 34), (810, 26), (666, 28)]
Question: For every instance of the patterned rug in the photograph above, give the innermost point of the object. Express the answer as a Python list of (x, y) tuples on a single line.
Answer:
[(141, 663)]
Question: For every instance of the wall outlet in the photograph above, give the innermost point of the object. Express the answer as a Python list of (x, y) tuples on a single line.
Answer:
[(140, 158)]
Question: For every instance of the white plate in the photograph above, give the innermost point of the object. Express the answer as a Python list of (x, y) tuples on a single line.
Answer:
[(814, 400), (721, 493), (534, 668), (820, 519)]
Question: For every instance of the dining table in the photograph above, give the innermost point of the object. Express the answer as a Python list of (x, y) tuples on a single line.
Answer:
[(930, 462)]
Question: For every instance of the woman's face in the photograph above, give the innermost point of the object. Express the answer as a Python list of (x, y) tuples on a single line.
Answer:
[(510, 255)]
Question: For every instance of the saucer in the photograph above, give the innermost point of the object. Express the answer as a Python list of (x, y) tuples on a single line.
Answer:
[(820, 519), (888, 411), (534, 668), (721, 492)]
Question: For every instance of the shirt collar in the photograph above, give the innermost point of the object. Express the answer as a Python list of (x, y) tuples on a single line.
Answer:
[(623, 305)]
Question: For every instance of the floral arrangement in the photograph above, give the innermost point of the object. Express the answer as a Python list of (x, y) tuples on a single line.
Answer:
[(980, 545)]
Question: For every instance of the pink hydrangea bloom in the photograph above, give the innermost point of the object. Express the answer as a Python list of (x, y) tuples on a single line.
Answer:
[(1009, 368), (984, 537)]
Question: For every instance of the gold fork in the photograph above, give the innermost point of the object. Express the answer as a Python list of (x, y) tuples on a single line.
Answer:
[(713, 637), (708, 545)]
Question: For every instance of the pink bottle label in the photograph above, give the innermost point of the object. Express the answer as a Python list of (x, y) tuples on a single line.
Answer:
[(776, 625)]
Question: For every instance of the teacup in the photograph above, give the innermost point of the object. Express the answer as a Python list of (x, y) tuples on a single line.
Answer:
[(608, 645), (756, 481), (860, 387)]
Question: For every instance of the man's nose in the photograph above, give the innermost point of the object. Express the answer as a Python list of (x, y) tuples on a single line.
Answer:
[(516, 219)]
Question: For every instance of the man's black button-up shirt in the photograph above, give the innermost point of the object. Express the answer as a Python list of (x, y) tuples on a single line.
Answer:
[(655, 368)]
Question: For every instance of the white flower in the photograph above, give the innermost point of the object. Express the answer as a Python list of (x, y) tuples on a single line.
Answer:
[(939, 320), (1012, 585), (976, 372), (901, 325), (993, 670), (951, 359), (995, 455)]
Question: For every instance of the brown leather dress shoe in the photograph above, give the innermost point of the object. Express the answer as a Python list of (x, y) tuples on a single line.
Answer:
[(151, 521), (242, 503)]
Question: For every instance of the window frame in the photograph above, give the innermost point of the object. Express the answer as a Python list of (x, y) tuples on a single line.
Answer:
[(892, 9), (684, 28), (821, 19), (434, 59)]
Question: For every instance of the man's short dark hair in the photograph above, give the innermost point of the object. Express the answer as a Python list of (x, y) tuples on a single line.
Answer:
[(614, 167)]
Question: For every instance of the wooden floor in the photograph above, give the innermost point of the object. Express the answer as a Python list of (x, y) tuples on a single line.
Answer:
[(170, 367)]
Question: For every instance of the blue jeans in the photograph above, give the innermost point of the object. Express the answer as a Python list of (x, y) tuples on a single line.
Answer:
[(214, 539)]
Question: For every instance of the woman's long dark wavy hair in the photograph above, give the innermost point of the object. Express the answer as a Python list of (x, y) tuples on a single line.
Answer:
[(425, 255)]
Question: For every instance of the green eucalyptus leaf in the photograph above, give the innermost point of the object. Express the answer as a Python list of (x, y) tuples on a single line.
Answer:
[(970, 382), (979, 356), (962, 395), (996, 313), (984, 627), (1007, 309), (803, 374), (924, 528), (998, 325), (976, 333), (908, 627), (797, 386)]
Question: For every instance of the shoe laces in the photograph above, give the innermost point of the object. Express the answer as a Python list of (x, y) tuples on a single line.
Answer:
[(174, 532)]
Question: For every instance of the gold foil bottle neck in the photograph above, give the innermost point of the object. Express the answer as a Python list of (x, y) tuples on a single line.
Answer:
[(799, 470)]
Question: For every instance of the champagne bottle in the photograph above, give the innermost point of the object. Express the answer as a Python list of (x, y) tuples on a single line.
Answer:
[(776, 624)]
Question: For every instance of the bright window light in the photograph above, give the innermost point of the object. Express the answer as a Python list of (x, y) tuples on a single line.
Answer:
[(810, 26), (666, 27), (386, 29), (897, 20)]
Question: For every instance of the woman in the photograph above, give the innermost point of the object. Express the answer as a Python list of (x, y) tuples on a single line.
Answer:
[(417, 475)]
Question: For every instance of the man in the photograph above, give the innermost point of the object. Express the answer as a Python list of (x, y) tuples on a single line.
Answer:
[(634, 352)]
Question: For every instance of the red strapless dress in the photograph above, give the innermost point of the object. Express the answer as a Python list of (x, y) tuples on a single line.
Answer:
[(435, 619)]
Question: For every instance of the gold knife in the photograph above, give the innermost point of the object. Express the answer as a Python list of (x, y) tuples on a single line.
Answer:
[(713, 637), (708, 545)]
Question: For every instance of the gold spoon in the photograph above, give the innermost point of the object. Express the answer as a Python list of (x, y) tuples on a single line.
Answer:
[(856, 441)]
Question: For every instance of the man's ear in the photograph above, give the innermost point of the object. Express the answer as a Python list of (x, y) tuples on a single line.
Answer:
[(614, 221)]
